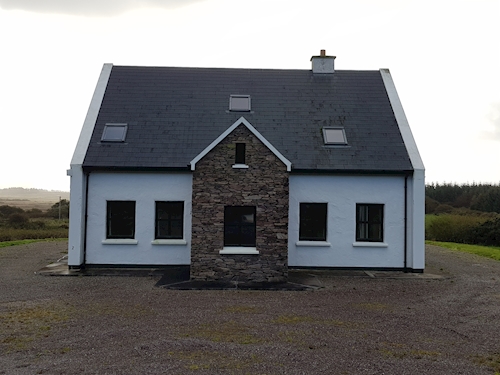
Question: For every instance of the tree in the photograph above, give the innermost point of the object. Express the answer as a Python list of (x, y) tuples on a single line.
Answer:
[(53, 211)]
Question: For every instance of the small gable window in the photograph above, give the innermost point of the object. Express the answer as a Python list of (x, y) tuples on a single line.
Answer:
[(334, 136), (114, 133), (240, 153), (239, 103)]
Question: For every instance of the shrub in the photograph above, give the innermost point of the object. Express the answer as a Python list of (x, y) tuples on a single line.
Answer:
[(430, 205), (17, 220), (452, 228), (35, 213), (488, 233), (13, 234), (6, 211), (443, 209)]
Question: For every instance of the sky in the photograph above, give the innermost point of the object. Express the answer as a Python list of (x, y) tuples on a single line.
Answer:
[(444, 56)]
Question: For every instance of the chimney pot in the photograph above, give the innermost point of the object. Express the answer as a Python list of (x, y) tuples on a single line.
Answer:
[(322, 52)]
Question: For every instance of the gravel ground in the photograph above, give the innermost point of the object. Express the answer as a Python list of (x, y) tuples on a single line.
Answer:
[(354, 325)]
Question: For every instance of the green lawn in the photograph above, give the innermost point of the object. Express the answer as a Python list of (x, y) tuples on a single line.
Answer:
[(484, 251), (24, 242)]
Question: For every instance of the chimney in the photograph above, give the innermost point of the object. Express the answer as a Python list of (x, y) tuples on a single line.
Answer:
[(322, 64)]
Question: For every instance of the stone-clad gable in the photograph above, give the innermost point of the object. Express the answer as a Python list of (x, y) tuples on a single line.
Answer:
[(263, 185)]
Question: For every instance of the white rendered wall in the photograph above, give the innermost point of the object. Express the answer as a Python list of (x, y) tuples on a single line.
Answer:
[(76, 216), (342, 193), (144, 189), (416, 220), (78, 178)]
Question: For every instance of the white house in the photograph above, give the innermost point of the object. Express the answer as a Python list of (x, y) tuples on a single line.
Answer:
[(243, 173)]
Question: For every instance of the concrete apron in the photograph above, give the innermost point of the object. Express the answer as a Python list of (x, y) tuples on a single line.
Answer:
[(177, 277)]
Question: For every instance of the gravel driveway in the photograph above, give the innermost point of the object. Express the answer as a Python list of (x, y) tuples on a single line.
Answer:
[(354, 325)]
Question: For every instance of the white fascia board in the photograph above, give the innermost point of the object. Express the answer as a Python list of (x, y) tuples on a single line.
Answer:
[(254, 131), (404, 126), (91, 118)]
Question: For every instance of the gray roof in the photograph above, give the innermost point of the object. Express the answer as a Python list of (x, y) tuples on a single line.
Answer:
[(173, 114)]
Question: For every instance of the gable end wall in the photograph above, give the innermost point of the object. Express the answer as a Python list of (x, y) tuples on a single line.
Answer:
[(263, 185)]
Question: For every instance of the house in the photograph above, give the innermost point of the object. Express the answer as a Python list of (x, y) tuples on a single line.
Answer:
[(243, 173)]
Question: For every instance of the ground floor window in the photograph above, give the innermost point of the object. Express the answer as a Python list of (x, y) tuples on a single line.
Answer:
[(120, 221), (169, 220), (312, 225), (369, 222), (239, 226)]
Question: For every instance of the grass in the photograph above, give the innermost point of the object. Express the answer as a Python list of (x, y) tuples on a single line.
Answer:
[(225, 332), (491, 360), (22, 326), (24, 242), (48, 228), (400, 351), (484, 251)]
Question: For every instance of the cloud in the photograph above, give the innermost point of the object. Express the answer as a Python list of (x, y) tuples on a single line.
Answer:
[(102, 8), (494, 119)]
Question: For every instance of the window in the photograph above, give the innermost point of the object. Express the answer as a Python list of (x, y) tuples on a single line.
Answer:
[(240, 153), (334, 136), (169, 220), (120, 219), (239, 226), (370, 222), (114, 133), (312, 222), (239, 103)]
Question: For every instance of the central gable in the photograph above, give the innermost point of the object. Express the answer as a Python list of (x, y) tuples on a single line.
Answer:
[(240, 210), (255, 132)]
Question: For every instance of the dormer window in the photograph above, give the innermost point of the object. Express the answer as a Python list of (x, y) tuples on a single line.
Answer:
[(239, 103), (114, 133), (334, 136)]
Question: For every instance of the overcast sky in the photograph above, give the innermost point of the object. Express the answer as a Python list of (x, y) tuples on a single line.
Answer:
[(444, 57)]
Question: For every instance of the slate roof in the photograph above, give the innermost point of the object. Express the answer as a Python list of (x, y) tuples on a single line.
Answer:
[(174, 113)]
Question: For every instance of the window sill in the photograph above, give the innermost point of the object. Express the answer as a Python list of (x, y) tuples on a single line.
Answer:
[(240, 166), (169, 242), (120, 241), (370, 244), (239, 250), (313, 244)]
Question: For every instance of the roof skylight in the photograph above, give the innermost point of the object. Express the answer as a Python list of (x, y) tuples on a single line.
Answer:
[(334, 136), (239, 103), (114, 133)]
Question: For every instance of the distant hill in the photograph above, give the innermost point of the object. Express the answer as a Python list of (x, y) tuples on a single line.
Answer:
[(31, 198)]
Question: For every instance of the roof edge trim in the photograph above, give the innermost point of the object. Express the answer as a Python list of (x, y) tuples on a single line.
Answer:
[(254, 131), (404, 126), (91, 118)]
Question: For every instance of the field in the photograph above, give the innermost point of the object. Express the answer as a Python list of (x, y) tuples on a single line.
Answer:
[(31, 198), (32, 214)]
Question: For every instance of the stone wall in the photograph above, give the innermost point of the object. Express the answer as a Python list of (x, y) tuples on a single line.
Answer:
[(217, 184)]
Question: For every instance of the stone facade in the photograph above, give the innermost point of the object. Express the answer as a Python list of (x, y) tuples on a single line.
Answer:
[(264, 185)]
